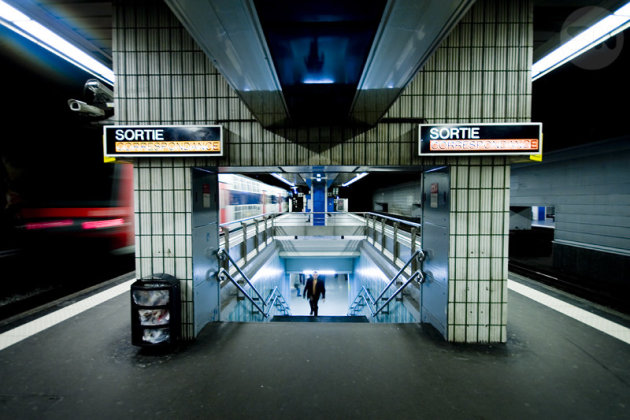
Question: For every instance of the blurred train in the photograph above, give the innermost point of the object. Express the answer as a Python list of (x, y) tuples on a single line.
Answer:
[(96, 215), (241, 197), (88, 214)]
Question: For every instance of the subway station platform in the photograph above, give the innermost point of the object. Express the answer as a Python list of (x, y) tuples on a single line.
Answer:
[(552, 366)]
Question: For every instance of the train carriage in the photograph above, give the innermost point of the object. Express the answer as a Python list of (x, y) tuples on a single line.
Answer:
[(241, 197)]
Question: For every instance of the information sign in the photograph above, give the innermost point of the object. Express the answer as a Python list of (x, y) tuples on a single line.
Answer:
[(162, 140), (480, 139)]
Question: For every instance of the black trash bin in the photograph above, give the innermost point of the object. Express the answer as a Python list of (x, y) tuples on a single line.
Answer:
[(155, 311)]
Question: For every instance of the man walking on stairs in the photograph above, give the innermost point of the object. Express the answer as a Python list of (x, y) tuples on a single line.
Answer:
[(313, 289)]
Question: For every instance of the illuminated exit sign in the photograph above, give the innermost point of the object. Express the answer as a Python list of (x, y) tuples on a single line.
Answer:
[(162, 140), (480, 139)]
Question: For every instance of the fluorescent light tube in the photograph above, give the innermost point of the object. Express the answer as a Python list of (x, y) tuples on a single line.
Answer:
[(322, 272), (594, 35), (36, 32), (355, 179), (286, 181), (322, 81), (624, 11)]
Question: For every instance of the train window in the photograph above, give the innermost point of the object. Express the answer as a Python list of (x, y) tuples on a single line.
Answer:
[(235, 198)]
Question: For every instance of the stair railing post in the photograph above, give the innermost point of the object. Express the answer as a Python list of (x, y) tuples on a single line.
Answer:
[(414, 263), (396, 244), (244, 243)]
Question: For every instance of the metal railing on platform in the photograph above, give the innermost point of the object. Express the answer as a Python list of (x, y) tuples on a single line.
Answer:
[(238, 233), (274, 299), (386, 234), (396, 238), (364, 297)]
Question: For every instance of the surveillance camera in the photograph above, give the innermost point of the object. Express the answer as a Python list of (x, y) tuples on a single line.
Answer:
[(85, 109), (102, 94)]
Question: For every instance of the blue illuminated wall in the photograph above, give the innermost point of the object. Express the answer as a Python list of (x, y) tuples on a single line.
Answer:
[(340, 265)]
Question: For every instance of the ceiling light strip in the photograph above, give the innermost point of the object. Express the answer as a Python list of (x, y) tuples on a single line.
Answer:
[(286, 181), (355, 179), (596, 34), (36, 32)]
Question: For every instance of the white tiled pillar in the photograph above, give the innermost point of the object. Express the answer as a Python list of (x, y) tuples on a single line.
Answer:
[(478, 255), (163, 209)]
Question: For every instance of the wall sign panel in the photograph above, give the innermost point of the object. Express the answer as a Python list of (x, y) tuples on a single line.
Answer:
[(162, 140), (480, 139)]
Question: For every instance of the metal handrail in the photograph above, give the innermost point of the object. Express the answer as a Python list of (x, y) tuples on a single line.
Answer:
[(274, 214), (400, 289), (223, 254), (273, 297), (374, 302), (251, 218), (269, 302), (393, 219), (419, 253), (363, 293), (223, 275)]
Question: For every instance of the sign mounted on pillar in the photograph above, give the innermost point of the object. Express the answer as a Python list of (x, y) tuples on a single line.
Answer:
[(162, 140), (480, 139)]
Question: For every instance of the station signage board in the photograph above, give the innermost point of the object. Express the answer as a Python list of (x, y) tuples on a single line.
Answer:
[(162, 140), (480, 139)]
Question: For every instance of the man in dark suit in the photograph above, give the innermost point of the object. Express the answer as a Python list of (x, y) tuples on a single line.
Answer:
[(313, 289)]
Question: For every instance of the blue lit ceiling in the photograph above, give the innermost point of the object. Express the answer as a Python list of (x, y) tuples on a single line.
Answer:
[(319, 51), (319, 63)]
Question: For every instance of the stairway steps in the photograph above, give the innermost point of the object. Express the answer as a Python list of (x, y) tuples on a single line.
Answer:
[(323, 318)]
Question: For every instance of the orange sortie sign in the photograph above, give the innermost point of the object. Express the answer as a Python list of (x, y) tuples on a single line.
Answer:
[(169, 146), (483, 145), (480, 139)]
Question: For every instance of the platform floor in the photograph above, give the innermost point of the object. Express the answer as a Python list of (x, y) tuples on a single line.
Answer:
[(552, 367)]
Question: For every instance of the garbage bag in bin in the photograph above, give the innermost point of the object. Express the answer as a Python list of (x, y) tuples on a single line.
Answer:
[(155, 310)]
